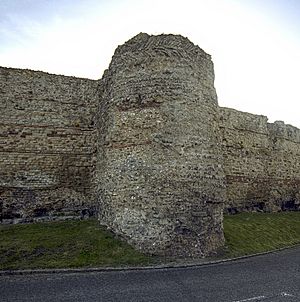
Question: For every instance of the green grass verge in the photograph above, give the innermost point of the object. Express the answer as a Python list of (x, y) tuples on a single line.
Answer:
[(250, 233), (63, 244), (85, 243)]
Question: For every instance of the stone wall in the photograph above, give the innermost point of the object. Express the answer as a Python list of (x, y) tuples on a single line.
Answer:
[(261, 162), (47, 145), (162, 186), (147, 147)]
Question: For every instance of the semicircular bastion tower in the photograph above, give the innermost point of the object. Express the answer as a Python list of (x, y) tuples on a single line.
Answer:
[(160, 178)]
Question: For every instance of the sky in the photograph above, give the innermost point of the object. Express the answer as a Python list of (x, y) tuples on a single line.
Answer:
[(254, 44)]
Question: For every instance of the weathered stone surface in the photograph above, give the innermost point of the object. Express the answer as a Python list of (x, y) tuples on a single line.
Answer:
[(162, 186), (261, 162), (47, 145), (146, 147)]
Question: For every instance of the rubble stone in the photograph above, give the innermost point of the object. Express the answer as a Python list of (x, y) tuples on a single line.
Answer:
[(146, 148)]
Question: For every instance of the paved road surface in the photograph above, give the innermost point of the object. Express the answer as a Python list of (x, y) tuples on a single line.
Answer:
[(268, 278)]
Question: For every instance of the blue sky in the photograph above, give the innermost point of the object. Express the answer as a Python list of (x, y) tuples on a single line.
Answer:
[(255, 44)]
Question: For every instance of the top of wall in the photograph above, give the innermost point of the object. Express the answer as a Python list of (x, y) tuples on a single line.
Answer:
[(245, 121), (281, 130), (43, 98), (239, 120), (143, 41), (38, 98), (40, 72), (157, 53)]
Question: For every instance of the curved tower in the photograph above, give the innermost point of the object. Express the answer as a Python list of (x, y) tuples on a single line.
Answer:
[(162, 185)]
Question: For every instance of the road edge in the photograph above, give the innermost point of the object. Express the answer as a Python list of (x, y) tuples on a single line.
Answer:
[(135, 268)]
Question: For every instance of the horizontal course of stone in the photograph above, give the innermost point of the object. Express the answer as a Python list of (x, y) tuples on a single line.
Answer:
[(47, 144), (261, 162)]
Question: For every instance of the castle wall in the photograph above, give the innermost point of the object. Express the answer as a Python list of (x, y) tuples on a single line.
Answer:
[(261, 162), (47, 144), (147, 147), (162, 187)]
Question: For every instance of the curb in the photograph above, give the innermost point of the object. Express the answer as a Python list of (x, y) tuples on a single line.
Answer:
[(170, 265)]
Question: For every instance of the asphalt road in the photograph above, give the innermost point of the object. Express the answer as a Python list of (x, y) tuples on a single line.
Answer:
[(270, 278)]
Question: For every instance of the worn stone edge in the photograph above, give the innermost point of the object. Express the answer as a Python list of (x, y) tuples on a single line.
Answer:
[(169, 265)]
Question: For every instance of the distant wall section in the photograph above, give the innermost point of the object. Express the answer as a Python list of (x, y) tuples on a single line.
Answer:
[(47, 145), (261, 162)]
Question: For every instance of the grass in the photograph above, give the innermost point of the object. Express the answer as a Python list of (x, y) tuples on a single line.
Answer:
[(85, 243), (63, 244), (250, 233)]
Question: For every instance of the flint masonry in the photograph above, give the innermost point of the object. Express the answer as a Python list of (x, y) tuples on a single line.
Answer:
[(146, 148)]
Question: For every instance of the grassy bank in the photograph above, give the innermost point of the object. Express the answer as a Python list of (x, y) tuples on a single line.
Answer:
[(85, 243), (63, 244), (250, 233)]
